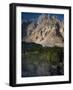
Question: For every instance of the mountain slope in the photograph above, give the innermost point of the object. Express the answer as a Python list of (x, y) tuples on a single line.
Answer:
[(48, 31)]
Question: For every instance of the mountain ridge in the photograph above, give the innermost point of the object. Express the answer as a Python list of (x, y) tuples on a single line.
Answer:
[(47, 31)]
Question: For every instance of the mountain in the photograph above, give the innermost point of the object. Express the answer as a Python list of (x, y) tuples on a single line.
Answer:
[(47, 31)]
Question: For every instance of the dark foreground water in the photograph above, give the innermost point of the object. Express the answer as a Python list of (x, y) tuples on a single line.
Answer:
[(41, 61)]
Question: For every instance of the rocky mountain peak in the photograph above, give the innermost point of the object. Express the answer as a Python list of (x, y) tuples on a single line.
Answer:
[(47, 31)]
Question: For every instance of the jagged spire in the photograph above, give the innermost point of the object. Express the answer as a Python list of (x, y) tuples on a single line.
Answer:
[(48, 31)]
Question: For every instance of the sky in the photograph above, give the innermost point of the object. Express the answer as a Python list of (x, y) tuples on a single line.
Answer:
[(32, 16)]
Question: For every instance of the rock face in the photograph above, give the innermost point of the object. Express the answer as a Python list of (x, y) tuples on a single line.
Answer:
[(47, 31)]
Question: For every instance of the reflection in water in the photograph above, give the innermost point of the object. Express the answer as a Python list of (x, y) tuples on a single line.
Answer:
[(42, 61)]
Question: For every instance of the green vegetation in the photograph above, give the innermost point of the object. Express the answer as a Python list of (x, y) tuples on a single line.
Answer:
[(38, 60)]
